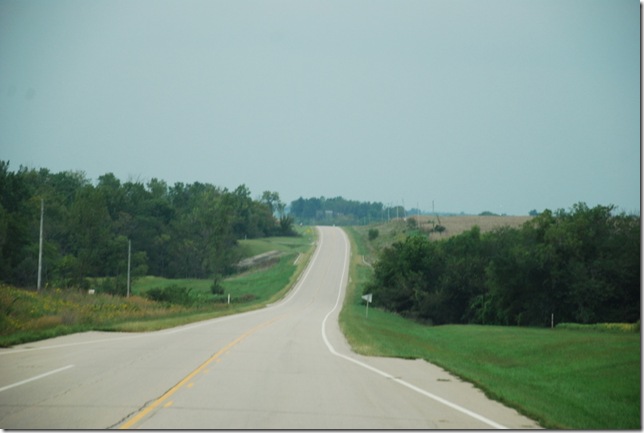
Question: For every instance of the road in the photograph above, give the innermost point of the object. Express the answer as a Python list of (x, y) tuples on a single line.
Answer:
[(286, 366)]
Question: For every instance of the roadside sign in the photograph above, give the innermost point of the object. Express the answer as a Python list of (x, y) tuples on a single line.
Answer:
[(368, 298)]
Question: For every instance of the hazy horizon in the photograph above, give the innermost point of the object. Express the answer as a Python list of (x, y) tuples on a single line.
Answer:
[(501, 106)]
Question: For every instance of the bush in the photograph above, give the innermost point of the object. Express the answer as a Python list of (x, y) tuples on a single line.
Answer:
[(602, 327), (216, 288), (412, 224), (113, 286), (172, 294), (373, 234)]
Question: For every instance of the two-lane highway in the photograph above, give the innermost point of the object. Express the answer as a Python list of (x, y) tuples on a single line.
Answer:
[(285, 366)]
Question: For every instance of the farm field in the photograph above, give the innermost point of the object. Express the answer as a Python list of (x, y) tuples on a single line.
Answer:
[(397, 229), (570, 377), (457, 224)]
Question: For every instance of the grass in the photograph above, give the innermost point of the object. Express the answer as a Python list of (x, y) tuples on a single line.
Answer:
[(253, 247), (570, 378), (602, 327), (29, 316), (143, 284)]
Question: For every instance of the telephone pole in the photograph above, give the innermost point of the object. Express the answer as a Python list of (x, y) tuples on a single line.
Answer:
[(42, 214), (129, 255)]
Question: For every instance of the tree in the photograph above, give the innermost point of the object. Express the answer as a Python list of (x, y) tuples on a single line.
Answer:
[(272, 200), (582, 265), (89, 231), (337, 210)]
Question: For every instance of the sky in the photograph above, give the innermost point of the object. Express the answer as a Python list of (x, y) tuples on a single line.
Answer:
[(470, 105)]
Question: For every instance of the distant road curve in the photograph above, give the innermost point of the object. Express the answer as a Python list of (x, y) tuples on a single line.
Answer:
[(287, 366)]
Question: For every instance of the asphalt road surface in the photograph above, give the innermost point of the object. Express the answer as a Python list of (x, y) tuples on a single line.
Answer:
[(283, 367)]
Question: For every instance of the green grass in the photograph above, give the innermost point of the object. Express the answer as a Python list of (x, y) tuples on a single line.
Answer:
[(262, 285), (143, 284), (266, 284), (247, 282), (563, 378), (253, 247)]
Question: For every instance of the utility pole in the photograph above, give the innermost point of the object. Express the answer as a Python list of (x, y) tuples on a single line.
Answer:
[(129, 255), (42, 214)]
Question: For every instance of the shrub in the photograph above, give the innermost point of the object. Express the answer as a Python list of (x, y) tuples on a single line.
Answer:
[(113, 286), (412, 224), (246, 297), (172, 294), (602, 327), (216, 288), (373, 234)]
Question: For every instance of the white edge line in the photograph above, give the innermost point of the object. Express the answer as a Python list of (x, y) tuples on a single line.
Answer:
[(40, 376), (387, 375)]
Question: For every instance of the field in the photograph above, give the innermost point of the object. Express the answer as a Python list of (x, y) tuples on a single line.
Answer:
[(571, 377), (457, 224), (398, 229)]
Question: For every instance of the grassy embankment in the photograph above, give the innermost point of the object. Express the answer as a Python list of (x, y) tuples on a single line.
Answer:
[(29, 316), (572, 377)]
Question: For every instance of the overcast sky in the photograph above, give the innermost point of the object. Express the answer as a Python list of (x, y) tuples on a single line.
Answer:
[(499, 105)]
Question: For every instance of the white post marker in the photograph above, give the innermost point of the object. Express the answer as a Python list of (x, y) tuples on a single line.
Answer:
[(369, 299)]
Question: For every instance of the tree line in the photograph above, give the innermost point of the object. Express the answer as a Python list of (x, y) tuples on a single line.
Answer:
[(183, 230), (581, 266), (340, 211)]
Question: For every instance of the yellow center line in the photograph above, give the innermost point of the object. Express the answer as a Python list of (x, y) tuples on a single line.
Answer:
[(140, 415)]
